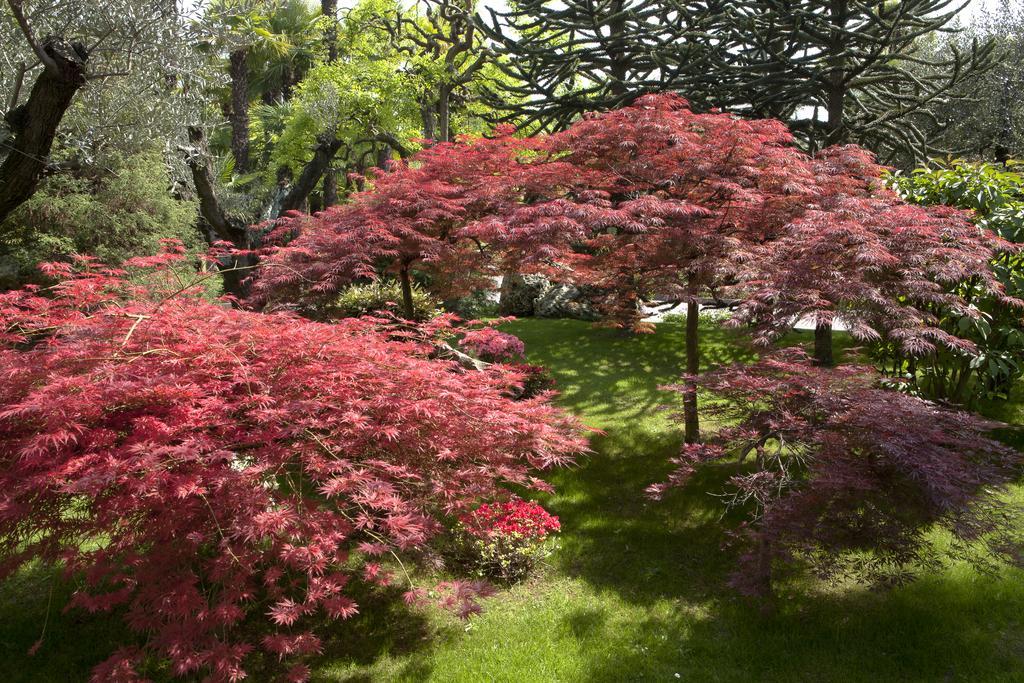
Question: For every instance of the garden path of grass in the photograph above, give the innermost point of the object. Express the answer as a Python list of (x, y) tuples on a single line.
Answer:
[(636, 591)]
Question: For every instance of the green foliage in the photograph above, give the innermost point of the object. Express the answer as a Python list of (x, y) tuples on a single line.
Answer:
[(382, 295), (155, 77), (996, 194), (113, 214), (507, 558), (355, 100), (477, 305), (984, 187)]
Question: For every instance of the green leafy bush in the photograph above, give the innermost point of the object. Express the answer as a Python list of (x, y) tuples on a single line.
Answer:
[(478, 305), (113, 213), (382, 295), (996, 194)]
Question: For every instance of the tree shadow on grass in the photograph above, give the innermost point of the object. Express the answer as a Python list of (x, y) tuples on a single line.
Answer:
[(31, 606), (950, 627), (75, 641), (616, 538), (385, 627)]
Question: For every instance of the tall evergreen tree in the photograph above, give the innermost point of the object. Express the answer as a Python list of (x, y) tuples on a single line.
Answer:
[(850, 65), (837, 71), (583, 55)]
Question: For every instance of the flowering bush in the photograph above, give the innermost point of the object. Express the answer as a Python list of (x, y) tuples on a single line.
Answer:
[(224, 476), (492, 345), (504, 541)]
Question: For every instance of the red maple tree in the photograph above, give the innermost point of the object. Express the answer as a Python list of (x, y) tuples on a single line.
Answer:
[(225, 475), (862, 256), (665, 202), (422, 214), (652, 199)]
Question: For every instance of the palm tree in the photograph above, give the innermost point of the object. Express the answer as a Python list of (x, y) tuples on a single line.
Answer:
[(270, 47)]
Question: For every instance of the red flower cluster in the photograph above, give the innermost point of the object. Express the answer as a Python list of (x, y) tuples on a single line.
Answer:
[(493, 346), (524, 517)]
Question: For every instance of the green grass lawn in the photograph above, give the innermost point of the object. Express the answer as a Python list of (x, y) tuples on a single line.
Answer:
[(636, 590)]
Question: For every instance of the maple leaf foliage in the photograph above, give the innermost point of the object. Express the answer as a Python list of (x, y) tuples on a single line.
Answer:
[(862, 256), (223, 475), (834, 464), (657, 199), (652, 193), (422, 213), (493, 346)]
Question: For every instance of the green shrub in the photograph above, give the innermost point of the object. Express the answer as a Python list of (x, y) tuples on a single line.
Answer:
[(479, 305), (113, 213), (996, 194), (382, 295)]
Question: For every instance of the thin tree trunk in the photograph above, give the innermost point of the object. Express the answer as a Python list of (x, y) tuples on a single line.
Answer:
[(764, 569), (444, 129), (239, 71), (34, 124), (823, 345), (329, 8), (691, 420), (962, 382), (235, 272), (407, 303)]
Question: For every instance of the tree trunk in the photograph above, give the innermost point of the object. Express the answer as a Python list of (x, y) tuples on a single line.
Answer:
[(330, 187), (428, 113), (407, 303), (823, 345), (239, 70), (837, 85), (764, 570), (691, 421), (617, 46), (444, 114), (34, 124), (383, 156), (235, 269), (314, 169), (329, 8)]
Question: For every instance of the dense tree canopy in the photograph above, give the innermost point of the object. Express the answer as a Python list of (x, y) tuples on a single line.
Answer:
[(840, 464), (655, 200), (240, 468)]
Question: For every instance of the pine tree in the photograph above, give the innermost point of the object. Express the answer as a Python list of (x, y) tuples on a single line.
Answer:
[(568, 58), (852, 63)]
